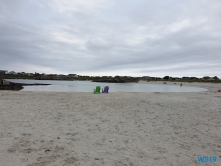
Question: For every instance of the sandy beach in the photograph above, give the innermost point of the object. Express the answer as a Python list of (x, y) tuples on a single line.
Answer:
[(115, 129)]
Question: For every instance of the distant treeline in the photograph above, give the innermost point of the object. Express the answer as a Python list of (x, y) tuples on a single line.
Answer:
[(109, 79)]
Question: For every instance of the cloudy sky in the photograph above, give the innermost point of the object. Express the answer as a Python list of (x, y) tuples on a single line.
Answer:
[(111, 37)]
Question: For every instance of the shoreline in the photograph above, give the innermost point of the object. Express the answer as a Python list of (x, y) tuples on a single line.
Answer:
[(209, 86)]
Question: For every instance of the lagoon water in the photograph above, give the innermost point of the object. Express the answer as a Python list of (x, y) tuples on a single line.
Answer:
[(88, 86)]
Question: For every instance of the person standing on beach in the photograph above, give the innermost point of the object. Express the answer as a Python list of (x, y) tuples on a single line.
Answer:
[(181, 84)]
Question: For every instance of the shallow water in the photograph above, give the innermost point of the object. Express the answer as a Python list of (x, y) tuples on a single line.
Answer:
[(88, 86)]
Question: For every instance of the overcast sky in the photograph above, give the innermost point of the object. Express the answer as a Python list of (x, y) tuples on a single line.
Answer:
[(111, 37)]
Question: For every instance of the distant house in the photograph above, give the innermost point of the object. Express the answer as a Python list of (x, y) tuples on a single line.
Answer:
[(193, 78), (206, 77), (215, 78), (20, 73), (51, 75), (27, 74), (12, 72), (146, 77), (3, 71), (175, 78), (72, 75), (185, 78), (61, 75), (153, 78)]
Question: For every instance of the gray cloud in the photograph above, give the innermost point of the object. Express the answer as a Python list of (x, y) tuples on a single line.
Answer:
[(105, 37)]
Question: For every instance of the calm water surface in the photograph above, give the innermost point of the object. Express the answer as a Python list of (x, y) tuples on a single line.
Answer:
[(88, 86)]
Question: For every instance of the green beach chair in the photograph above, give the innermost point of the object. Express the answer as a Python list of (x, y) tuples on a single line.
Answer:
[(97, 90)]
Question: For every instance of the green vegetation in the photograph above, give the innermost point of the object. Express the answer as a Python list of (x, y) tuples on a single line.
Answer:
[(12, 76), (116, 79), (166, 77)]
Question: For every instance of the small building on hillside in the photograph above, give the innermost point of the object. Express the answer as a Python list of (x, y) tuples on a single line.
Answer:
[(146, 77), (215, 78), (206, 77), (153, 78), (12, 72), (27, 74), (176, 78), (185, 78), (72, 75), (3, 71)]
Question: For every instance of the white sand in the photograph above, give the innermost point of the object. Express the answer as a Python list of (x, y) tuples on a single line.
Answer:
[(116, 129), (209, 86)]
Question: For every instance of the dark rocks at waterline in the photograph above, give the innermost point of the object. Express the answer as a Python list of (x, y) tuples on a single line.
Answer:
[(31, 84), (6, 85), (11, 87)]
